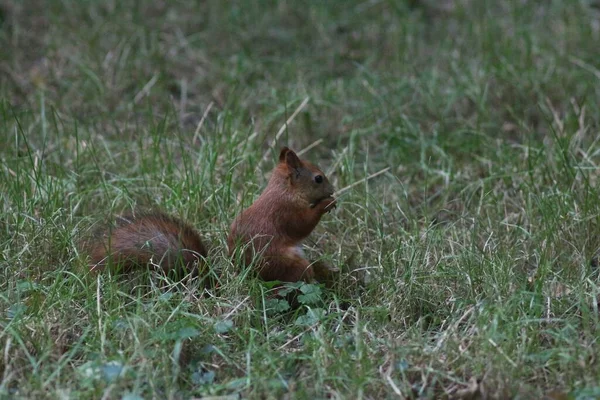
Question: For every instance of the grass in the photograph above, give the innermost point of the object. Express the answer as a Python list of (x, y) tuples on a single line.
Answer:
[(470, 268)]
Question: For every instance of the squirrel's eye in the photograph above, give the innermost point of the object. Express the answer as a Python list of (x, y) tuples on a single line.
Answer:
[(318, 179)]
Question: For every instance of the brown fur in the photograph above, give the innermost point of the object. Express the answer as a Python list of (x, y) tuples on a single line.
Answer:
[(140, 240), (286, 212)]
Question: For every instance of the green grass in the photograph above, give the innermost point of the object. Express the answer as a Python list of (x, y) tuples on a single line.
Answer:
[(474, 259)]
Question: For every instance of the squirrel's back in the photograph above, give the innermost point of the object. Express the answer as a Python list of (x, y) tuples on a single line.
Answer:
[(148, 238)]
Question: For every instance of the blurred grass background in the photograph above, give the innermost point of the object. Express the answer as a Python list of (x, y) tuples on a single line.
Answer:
[(469, 269)]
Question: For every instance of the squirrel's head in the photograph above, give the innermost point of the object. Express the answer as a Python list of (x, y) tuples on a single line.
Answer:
[(305, 179)]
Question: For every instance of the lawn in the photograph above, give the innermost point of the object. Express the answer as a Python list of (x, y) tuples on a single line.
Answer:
[(469, 268)]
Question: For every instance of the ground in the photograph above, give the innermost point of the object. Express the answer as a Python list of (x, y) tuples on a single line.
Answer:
[(469, 268)]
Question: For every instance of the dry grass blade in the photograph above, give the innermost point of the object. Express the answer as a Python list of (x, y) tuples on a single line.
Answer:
[(345, 189), (201, 123), (590, 68), (145, 90), (273, 143), (310, 146)]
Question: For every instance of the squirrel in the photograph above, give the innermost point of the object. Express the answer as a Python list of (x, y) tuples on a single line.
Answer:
[(287, 211), (290, 207)]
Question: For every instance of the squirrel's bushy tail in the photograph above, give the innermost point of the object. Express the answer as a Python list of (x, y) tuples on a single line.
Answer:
[(148, 238)]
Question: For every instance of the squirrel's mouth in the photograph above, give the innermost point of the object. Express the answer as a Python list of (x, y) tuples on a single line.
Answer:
[(320, 200)]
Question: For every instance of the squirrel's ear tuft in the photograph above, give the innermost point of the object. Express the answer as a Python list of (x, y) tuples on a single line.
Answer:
[(292, 160), (282, 154)]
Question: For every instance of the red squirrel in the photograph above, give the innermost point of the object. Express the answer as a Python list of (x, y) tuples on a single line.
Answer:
[(287, 211), (271, 229)]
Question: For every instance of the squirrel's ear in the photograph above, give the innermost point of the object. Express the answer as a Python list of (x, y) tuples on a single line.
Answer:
[(282, 154), (292, 160)]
